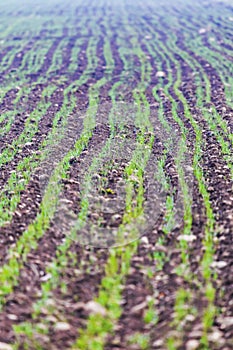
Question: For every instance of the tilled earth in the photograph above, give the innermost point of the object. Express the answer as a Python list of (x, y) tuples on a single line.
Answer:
[(123, 81)]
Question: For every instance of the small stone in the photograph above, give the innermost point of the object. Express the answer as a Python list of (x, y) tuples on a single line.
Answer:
[(215, 337), (158, 343), (61, 326), (5, 346), (202, 31), (192, 344), (160, 248), (219, 264), (116, 217), (190, 318), (79, 305), (144, 240), (51, 319), (224, 109), (12, 317), (95, 216), (46, 277), (95, 308), (187, 238), (196, 334), (160, 74), (134, 178), (137, 308), (226, 322), (65, 201)]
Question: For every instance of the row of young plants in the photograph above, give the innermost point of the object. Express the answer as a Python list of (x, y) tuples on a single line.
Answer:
[(99, 327), (119, 260), (14, 185), (33, 51), (66, 243), (92, 328), (25, 239), (223, 67), (214, 120), (196, 171), (184, 295), (208, 238), (211, 310), (217, 123), (19, 179), (179, 152), (62, 256)]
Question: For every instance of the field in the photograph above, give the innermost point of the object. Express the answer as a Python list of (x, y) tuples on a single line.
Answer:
[(116, 181)]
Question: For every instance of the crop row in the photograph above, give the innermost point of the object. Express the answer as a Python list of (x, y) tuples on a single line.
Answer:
[(109, 100)]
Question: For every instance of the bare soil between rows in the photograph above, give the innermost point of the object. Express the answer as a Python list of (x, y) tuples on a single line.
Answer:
[(83, 276)]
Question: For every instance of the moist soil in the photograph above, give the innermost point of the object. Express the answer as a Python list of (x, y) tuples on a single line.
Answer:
[(83, 276)]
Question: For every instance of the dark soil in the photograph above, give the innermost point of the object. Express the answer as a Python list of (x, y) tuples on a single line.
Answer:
[(86, 266)]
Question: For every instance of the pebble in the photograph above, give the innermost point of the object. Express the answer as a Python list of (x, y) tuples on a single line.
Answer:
[(187, 238), (189, 168), (215, 337), (202, 31), (137, 308), (5, 346), (158, 343), (192, 344), (12, 317), (51, 319), (46, 277), (160, 74), (190, 318), (95, 308), (95, 216), (116, 217), (196, 334), (144, 240), (219, 264), (226, 322), (61, 326)]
